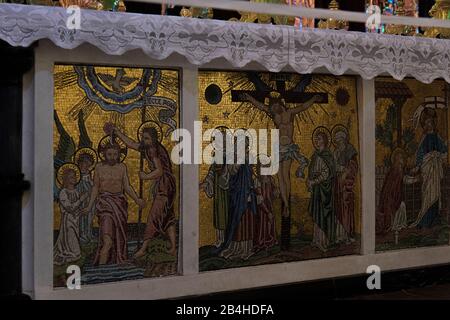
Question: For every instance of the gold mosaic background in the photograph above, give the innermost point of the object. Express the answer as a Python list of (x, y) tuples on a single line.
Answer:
[(66, 98), (241, 118), (420, 91)]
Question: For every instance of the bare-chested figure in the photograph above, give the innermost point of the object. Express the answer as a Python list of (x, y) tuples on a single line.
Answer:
[(111, 183), (283, 118)]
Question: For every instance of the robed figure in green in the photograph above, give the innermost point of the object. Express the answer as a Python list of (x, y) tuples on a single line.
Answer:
[(215, 185), (321, 175)]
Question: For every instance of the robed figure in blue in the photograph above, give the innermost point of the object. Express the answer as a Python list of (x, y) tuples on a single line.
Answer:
[(430, 159), (241, 211)]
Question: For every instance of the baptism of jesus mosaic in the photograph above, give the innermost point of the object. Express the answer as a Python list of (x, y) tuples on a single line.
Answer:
[(412, 165), (116, 192), (310, 208)]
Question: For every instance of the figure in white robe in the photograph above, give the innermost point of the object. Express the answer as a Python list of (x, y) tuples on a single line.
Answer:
[(85, 159), (67, 246), (400, 220), (84, 187), (430, 158)]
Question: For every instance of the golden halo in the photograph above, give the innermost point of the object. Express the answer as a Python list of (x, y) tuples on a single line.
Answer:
[(337, 128), (275, 94), (150, 124), (397, 151), (318, 130), (107, 139), (222, 128), (88, 151), (427, 113), (64, 168)]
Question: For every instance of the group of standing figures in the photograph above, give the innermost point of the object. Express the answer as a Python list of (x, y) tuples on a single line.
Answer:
[(429, 169), (243, 208), (82, 196), (243, 199), (331, 181)]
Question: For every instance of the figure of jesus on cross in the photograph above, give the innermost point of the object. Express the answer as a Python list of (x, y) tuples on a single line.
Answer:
[(283, 118)]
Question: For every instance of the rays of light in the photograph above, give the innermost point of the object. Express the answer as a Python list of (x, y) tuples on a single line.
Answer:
[(85, 105), (118, 119), (297, 122), (169, 83), (324, 110), (150, 114), (64, 79), (236, 110), (309, 117)]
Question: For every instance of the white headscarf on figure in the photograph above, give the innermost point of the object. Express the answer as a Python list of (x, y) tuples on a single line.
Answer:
[(429, 102)]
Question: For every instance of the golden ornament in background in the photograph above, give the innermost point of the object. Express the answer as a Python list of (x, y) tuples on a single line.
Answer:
[(440, 10), (185, 12), (121, 6), (251, 17), (204, 13), (333, 23), (86, 4), (400, 29), (248, 17)]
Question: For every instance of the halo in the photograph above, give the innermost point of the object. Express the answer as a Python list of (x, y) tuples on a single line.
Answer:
[(337, 128), (107, 139), (317, 130), (150, 124), (396, 152), (275, 94), (222, 128), (427, 113), (88, 151), (63, 168)]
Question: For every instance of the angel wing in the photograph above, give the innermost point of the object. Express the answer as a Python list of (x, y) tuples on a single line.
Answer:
[(64, 151), (66, 145), (83, 139)]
